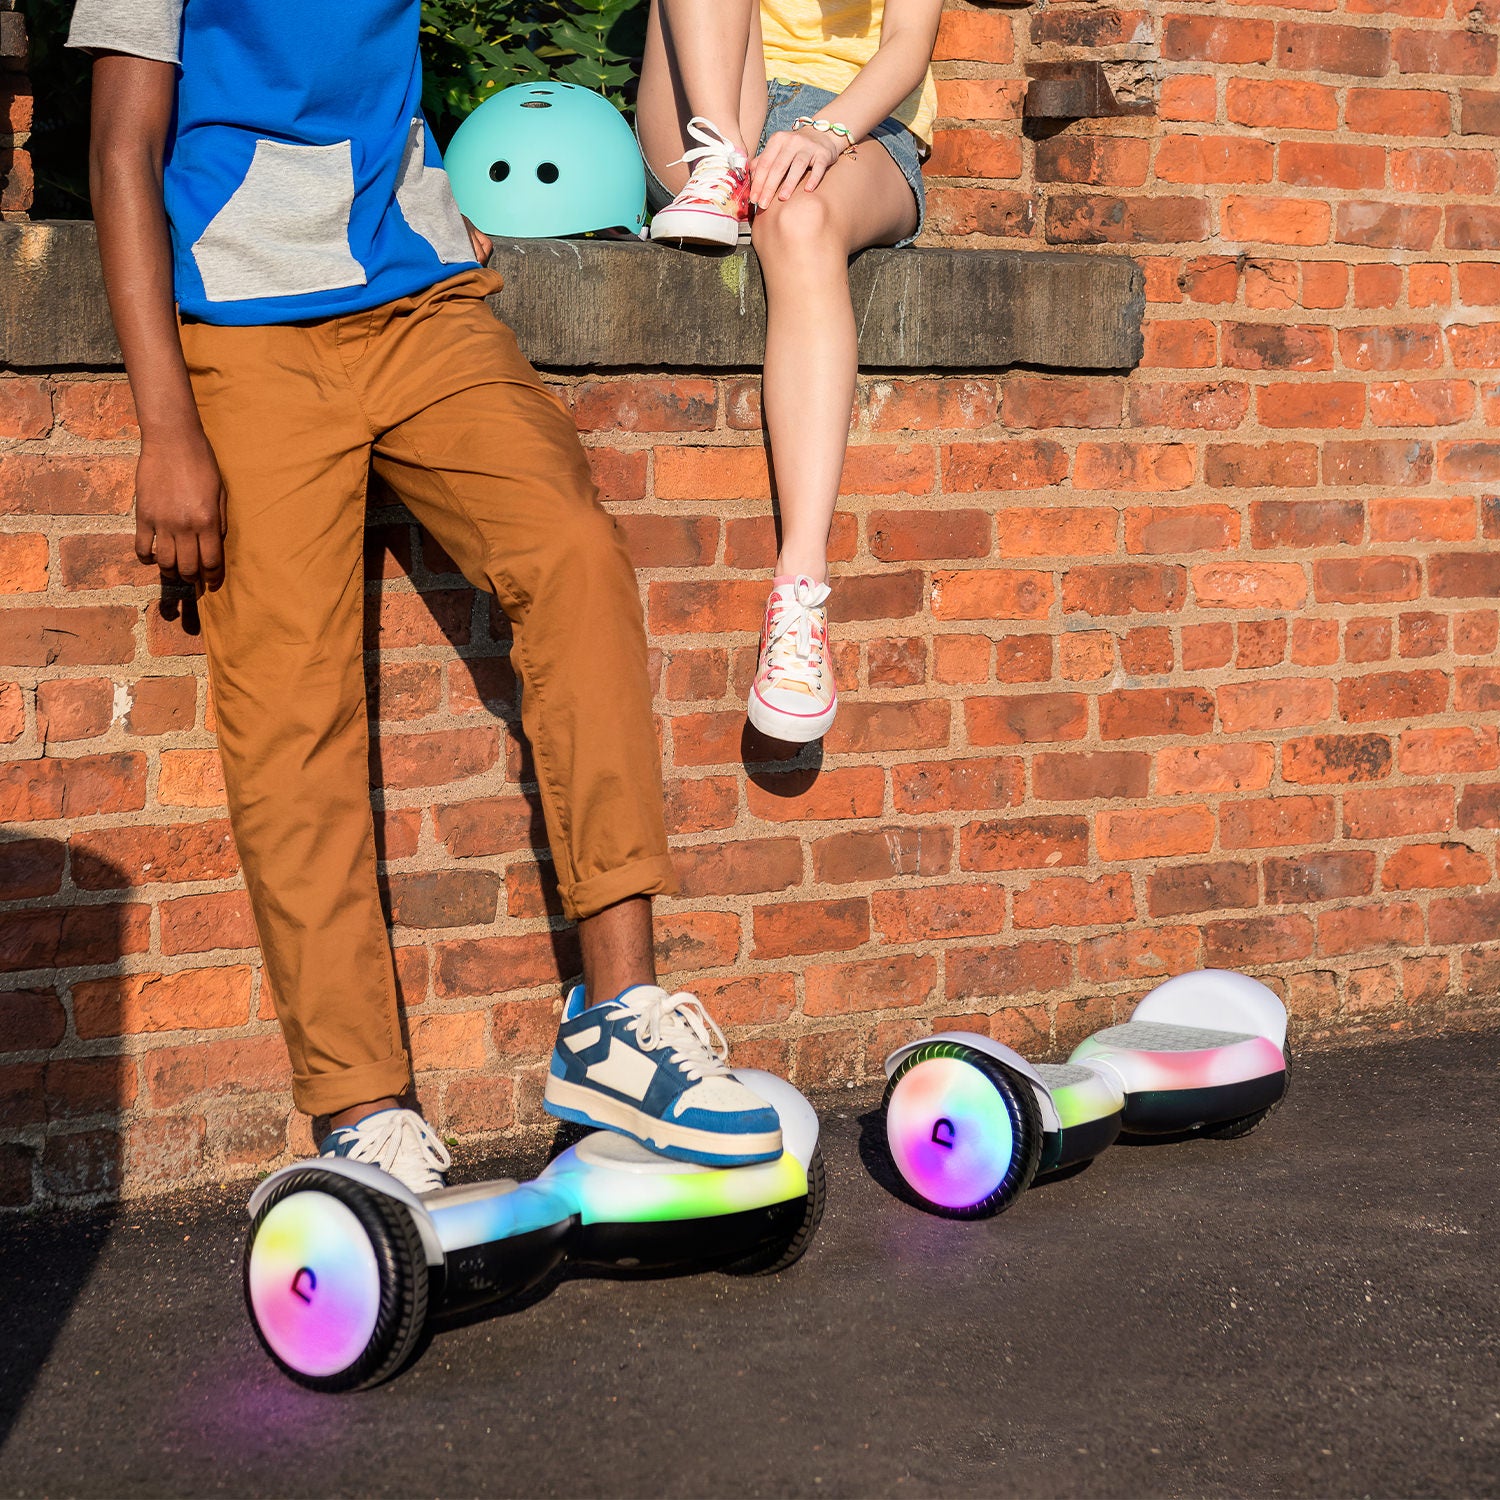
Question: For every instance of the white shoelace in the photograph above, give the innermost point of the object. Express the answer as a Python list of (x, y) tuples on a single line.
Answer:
[(402, 1143), (714, 164), (681, 1023), (790, 647)]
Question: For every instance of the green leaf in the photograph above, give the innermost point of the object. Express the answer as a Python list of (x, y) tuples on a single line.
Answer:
[(474, 48)]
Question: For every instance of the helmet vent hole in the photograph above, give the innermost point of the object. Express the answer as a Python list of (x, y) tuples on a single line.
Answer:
[(535, 104), (547, 172), (499, 171)]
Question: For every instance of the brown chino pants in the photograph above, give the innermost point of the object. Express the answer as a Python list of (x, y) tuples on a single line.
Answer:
[(433, 392)]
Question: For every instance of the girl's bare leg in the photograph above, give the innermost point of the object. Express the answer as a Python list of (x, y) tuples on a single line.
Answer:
[(812, 355), (703, 57)]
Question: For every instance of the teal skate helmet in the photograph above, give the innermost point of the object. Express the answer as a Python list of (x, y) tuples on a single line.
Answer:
[(542, 160)]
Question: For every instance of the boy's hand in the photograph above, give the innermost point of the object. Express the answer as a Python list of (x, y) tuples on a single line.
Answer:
[(483, 248), (179, 511)]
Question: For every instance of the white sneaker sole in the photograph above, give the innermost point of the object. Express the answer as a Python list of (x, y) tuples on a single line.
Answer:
[(661, 1134), (695, 227), (791, 729)]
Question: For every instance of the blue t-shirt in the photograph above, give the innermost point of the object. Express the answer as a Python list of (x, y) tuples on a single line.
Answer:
[(301, 180)]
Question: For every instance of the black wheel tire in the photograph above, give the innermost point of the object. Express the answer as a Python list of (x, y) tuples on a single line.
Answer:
[(404, 1283), (1025, 1120), (774, 1258), (1232, 1130)]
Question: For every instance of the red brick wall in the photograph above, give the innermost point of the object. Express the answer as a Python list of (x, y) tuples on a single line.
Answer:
[(1194, 665), (15, 115)]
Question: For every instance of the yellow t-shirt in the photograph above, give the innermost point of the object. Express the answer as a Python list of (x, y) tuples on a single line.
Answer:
[(826, 42)]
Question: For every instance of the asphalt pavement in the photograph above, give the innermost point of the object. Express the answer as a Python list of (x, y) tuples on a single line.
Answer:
[(1310, 1311)]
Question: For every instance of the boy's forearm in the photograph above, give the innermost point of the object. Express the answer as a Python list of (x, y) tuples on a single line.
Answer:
[(179, 495), (135, 248)]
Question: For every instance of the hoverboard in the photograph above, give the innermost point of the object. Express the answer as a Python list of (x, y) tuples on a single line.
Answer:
[(970, 1123), (344, 1265)]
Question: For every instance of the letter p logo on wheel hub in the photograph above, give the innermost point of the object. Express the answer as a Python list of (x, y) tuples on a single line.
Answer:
[(955, 1129)]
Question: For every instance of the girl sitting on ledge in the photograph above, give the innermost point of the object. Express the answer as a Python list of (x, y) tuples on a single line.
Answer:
[(809, 119)]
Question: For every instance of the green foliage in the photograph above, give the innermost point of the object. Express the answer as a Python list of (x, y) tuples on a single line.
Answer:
[(473, 48), (470, 50)]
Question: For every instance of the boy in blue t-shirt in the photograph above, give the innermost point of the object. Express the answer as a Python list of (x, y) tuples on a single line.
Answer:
[(298, 299)]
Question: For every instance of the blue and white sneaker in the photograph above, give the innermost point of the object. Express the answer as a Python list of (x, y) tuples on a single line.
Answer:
[(655, 1066), (398, 1141)]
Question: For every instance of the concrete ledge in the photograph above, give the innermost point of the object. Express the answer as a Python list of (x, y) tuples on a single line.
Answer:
[(52, 306), (586, 304)]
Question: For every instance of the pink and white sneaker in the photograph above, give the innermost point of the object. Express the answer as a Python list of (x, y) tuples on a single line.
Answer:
[(794, 697), (716, 199)]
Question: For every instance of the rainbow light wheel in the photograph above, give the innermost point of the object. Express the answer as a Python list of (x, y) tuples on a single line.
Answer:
[(964, 1131), (788, 1247), (336, 1281)]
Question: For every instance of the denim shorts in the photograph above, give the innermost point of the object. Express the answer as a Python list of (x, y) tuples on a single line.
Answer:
[(786, 101)]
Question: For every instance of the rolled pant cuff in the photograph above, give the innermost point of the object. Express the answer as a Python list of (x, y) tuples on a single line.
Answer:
[(329, 1093), (641, 877)]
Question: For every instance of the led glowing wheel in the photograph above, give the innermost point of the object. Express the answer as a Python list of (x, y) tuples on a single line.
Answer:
[(964, 1131), (788, 1250), (335, 1281)]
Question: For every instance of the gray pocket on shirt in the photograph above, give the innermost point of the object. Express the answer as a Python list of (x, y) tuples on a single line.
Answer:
[(285, 232), (427, 202)]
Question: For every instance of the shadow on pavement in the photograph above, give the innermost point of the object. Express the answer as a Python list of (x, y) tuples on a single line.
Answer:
[(62, 1094)]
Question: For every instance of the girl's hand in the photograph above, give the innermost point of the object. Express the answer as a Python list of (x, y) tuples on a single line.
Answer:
[(789, 156), (179, 511)]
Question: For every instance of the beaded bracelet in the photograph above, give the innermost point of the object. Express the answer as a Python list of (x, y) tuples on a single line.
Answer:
[(829, 127)]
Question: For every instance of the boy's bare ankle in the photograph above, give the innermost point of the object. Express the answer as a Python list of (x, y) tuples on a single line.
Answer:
[(356, 1112), (618, 950)]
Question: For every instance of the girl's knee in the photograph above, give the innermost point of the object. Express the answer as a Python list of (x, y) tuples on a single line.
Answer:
[(800, 227)]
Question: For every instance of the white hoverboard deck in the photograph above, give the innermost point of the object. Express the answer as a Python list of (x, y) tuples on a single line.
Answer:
[(1203, 1050)]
